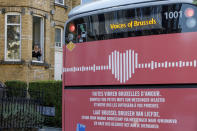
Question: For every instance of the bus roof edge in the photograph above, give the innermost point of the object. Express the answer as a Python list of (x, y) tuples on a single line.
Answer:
[(105, 4)]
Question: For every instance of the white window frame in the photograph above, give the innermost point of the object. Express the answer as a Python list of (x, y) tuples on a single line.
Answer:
[(42, 39), (57, 2), (6, 24), (61, 37)]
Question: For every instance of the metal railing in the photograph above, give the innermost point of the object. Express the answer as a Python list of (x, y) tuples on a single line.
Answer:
[(19, 110)]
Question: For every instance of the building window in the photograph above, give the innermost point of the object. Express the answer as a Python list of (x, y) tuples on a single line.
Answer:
[(38, 39), (61, 2), (58, 37), (13, 37), (85, 1)]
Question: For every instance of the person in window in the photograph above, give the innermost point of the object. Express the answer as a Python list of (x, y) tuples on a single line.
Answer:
[(36, 53)]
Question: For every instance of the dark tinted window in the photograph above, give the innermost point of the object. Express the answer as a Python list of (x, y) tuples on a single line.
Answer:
[(163, 19)]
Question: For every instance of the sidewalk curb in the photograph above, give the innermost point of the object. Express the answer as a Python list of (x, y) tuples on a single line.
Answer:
[(50, 129)]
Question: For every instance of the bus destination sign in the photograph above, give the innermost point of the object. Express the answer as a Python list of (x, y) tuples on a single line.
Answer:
[(136, 24)]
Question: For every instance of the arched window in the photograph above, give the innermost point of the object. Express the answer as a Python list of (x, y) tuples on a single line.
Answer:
[(61, 2), (58, 37)]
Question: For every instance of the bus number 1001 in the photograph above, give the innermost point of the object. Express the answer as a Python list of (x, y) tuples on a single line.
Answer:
[(173, 15)]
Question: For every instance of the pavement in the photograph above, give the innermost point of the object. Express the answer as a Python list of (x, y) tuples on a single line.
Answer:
[(50, 129)]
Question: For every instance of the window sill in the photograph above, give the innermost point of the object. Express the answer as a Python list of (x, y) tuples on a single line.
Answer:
[(60, 5), (34, 63), (2, 62)]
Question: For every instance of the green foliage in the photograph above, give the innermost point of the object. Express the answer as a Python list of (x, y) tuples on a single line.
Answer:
[(25, 114), (52, 91), (195, 2), (16, 88)]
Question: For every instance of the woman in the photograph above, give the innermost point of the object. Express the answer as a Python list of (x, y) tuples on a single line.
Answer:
[(36, 52)]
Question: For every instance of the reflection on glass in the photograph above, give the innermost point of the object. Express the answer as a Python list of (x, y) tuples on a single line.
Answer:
[(58, 37), (85, 1), (13, 42), (195, 2), (59, 1), (13, 19), (153, 20)]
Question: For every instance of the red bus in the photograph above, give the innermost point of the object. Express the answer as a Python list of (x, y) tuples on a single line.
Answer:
[(130, 66)]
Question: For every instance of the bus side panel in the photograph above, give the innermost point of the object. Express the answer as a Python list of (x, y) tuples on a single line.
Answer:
[(159, 59), (63, 94), (131, 109)]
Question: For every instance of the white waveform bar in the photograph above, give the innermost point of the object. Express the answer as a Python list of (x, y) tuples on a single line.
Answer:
[(123, 65)]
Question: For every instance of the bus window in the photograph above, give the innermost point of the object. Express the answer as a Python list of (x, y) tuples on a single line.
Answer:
[(162, 19), (81, 33)]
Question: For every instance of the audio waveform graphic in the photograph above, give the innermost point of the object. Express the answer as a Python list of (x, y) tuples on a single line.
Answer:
[(123, 65)]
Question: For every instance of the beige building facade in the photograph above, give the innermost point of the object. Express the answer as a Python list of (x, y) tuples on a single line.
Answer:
[(31, 33)]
